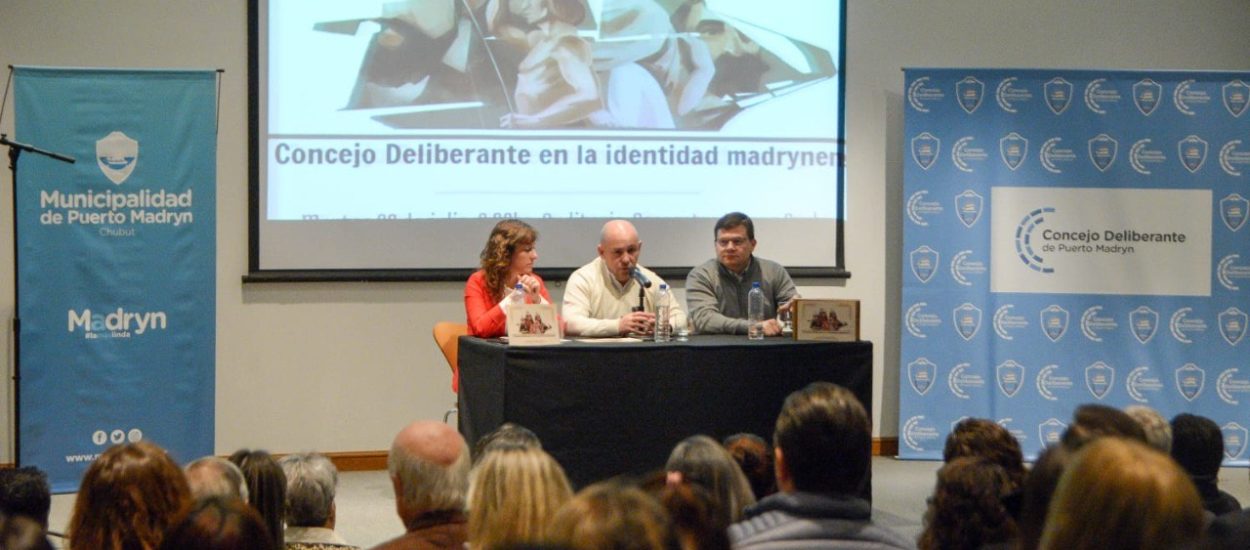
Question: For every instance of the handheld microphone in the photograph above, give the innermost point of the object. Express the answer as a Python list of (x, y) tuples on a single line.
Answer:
[(638, 276)]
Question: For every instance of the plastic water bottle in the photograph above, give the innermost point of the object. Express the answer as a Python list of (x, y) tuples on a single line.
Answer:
[(663, 299), (517, 298), (755, 312)]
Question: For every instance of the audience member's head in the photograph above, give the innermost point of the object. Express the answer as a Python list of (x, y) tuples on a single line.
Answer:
[(429, 467), (967, 509), (1092, 421), (266, 489), (1197, 445), (1119, 493), (1039, 488), (217, 523), (982, 438), (613, 516), (506, 435), (1158, 431), (694, 516), (24, 491), (755, 456), (311, 482), (22, 532), (704, 462), (129, 496), (213, 476), (513, 496), (823, 441)]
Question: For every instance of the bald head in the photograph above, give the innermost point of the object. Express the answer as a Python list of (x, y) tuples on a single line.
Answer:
[(429, 466), (619, 247), (433, 442)]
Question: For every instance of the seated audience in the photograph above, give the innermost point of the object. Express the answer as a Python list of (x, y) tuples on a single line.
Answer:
[(1198, 446), (25, 492), (982, 438), (266, 488), (1158, 431), (610, 515), (213, 476), (967, 510), (507, 435), (1120, 493), (1039, 488), (513, 495), (507, 259), (429, 467), (22, 532), (1091, 421), (755, 457), (702, 461), (823, 447), (694, 516), (311, 482), (218, 523), (128, 498)]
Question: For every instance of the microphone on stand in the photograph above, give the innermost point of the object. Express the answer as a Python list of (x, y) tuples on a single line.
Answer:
[(638, 276)]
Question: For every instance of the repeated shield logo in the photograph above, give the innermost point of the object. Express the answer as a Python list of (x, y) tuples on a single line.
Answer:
[(1233, 210), (1099, 378), (967, 320), (924, 263), (1051, 431), (1190, 380), (1013, 148), (1058, 94), (1010, 377), (925, 149), (1146, 95), (969, 91), (969, 205), (1102, 151), (1193, 152), (1143, 322), (116, 155), (921, 373), (1234, 440), (1232, 325), (1236, 97), (1054, 322)]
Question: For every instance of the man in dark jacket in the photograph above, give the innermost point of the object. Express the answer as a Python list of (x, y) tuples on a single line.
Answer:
[(823, 448)]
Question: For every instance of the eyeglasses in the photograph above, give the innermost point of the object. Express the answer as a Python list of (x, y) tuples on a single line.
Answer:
[(737, 242)]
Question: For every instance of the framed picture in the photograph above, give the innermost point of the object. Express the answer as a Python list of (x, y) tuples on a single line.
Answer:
[(533, 325), (826, 320)]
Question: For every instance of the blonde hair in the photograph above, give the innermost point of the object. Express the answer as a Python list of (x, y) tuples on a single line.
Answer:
[(1118, 493), (513, 496)]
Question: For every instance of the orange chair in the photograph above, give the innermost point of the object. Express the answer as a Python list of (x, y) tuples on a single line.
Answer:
[(447, 336)]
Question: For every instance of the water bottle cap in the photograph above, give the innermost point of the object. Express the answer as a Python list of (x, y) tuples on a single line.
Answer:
[(663, 286), (519, 287), (756, 284)]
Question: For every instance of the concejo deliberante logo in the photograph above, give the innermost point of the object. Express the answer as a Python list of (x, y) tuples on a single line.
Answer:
[(116, 155), (1024, 239)]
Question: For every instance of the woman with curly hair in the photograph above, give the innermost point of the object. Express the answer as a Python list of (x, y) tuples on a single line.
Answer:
[(128, 498), (507, 260), (967, 510)]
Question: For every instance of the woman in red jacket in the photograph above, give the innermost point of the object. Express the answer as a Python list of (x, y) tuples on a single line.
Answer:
[(507, 259)]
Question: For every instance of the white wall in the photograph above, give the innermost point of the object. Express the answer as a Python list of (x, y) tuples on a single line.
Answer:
[(340, 367)]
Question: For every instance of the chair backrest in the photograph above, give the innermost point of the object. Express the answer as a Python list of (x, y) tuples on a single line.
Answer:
[(447, 336)]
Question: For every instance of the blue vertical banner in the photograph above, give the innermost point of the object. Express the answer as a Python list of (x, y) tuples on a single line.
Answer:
[(116, 264), (1071, 237)]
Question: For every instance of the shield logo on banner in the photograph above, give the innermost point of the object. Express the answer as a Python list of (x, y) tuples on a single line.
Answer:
[(1102, 151), (1234, 440), (1054, 322), (1099, 379), (1236, 97), (1146, 95), (1232, 325), (1050, 431), (921, 373), (967, 320), (1143, 321), (924, 149), (1010, 378), (1058, 94), (116, 154), (1190, 380), (924, 263), (1233, 211), (968, 205), (1193, 151), (969, 91), (1013, 148)]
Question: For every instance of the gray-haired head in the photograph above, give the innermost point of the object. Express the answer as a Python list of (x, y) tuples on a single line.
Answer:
[(311, 480), (213, 476), (429, 467), (1158, 430)]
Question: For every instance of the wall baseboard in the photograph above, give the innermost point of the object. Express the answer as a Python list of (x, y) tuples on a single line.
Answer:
[(885, 446)]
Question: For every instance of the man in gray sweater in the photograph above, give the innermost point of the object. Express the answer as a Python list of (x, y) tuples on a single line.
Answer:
[(716, 292)]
